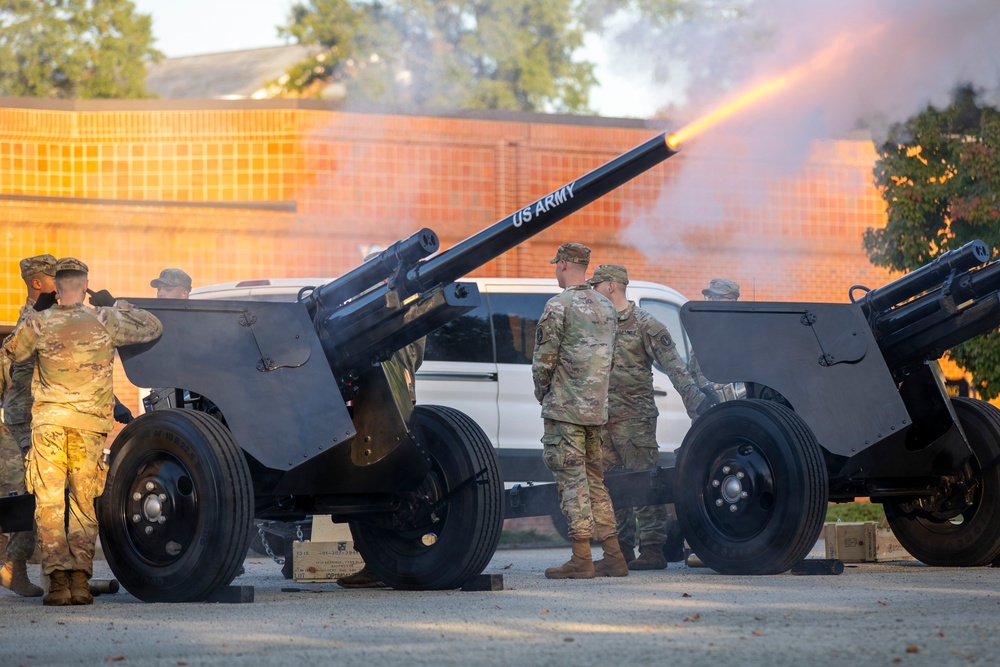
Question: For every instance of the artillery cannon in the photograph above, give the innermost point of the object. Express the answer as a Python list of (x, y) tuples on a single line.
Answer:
[(282, 410), (844, 401)]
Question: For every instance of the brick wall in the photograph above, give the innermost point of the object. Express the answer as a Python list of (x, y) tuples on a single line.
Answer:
[(244, 190)]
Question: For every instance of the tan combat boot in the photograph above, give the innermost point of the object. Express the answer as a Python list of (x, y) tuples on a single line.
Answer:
[(14, 576), (651, 558), (578, 567), (79, 588), (59, 595), (613, 564)]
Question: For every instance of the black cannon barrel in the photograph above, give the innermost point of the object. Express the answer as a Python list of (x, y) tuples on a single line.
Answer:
[(350, 332), (925, 278), (401, 253), (495, 240)]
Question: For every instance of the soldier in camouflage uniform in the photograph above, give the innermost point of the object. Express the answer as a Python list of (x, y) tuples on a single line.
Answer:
[(719, 289), (571, 365), (38, 273), (172, 284), (630, 434), (73, 346)]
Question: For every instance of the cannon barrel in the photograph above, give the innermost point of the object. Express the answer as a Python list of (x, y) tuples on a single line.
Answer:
[(962, 305), (973, 253), (419, 296)]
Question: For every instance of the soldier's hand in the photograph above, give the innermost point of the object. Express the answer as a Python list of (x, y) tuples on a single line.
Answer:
[(45, 301), (102, 298), (711, 398), (122, 414)]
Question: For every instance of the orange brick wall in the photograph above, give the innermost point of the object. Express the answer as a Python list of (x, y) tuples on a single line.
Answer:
[(251, 190)]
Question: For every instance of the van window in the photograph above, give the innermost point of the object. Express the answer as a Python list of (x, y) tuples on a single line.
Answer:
[(515, 318), (670, 315), (466, 339)]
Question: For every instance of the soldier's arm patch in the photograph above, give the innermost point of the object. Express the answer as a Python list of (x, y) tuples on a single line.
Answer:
[(539, 335)]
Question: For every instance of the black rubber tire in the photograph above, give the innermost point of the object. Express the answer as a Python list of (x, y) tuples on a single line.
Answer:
[(185, 466), (973, 538), (784, 478), (468, 528), (562, 526)]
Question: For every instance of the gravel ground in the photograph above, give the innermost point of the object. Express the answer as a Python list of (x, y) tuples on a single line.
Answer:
[(873, 614)]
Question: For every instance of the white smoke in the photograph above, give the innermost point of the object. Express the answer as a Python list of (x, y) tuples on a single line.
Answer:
[(900, 56)]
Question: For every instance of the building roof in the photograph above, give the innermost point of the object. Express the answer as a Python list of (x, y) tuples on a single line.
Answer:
[(227, 75)]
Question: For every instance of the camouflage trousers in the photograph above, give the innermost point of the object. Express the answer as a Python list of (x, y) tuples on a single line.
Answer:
[(62, 458), (630, 445), (20, 546), (573, 454)]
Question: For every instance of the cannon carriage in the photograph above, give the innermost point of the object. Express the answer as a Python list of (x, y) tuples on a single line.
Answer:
[(276, 411), (844, 401)]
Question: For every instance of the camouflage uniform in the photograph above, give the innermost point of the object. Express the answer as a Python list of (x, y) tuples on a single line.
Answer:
[(571, 364), (17, 419), (630, 434), (73, 346)]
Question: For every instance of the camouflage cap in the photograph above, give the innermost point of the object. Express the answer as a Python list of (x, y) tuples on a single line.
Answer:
[(31, 266), (721, 287), (577, 253), (171, 278), (609, 273), (71, 264)]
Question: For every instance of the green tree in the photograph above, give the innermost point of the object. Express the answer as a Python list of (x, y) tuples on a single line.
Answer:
[(501, 54), (939, 173), (74, 48)]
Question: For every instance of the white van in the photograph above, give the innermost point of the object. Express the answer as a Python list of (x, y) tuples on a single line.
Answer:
[(480, 363)]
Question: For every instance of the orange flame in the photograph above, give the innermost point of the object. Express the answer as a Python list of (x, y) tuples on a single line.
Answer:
[(832, 54)]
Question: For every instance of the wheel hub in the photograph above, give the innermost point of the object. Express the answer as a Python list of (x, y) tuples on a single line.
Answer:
[(161, 513), (739, 493)]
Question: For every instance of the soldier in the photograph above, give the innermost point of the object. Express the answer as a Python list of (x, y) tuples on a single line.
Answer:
[(571, 366), (38, 273), (719, 289), (73, 347), (630, 434), (172, 284)]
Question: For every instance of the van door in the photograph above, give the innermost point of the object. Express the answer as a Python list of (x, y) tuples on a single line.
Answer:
[(673, 422), (459, 370)]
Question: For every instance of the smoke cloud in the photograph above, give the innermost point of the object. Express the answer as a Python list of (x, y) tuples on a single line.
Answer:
[(885, 60)]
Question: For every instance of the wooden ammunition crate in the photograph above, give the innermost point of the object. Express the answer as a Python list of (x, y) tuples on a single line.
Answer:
[(866, 542)]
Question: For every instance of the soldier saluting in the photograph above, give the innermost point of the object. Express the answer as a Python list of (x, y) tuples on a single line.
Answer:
[(73, 347)]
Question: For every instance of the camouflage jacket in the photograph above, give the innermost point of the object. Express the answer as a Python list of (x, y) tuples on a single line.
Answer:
[(73, 347), (17, 397), (641, 340), (572, 359)]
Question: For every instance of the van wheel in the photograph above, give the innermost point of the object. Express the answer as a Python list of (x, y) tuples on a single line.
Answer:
[(175, 508), (970, 537), (751, 490), (456, 527)]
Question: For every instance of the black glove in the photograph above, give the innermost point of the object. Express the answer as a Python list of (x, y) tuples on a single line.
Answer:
[(711, 398), (102, 298), (45, 301), (122, 414)]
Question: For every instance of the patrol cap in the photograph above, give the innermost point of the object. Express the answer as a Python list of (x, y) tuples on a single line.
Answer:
[(576, 253), (721, 287), (71, 264), (171, 278), (32, 266), (609, 273)]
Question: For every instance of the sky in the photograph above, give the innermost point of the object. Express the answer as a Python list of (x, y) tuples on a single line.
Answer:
[(191, 27)]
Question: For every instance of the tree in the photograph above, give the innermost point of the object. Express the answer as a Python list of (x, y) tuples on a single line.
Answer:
[(499, 54), (74, 48), (939, 173)]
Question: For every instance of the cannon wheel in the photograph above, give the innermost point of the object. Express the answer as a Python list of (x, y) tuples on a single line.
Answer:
[(174, 512), (443, 554), (973, 537), (751, 490)]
